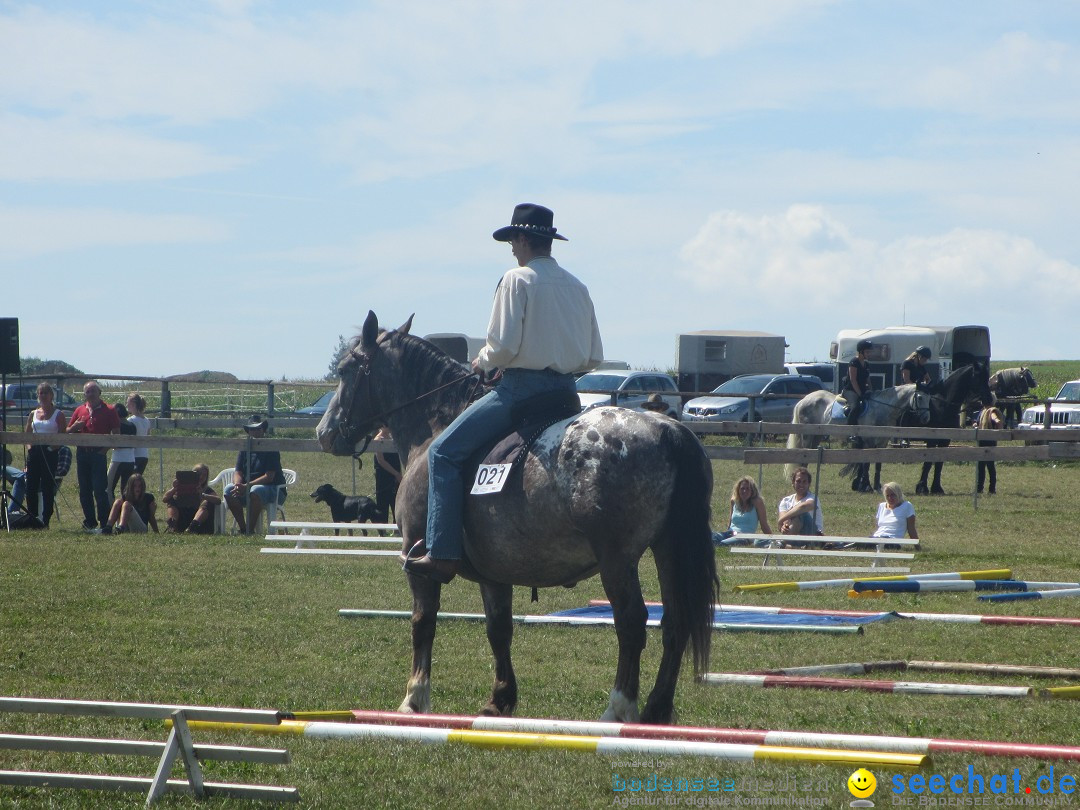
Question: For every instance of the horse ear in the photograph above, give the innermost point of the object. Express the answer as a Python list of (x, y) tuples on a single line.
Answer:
[(405, 327), (370, 332)]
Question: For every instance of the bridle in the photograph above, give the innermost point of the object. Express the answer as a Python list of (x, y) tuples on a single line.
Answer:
[(350, 432)]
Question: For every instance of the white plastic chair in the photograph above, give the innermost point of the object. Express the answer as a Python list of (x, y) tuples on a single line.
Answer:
[(225, 477)]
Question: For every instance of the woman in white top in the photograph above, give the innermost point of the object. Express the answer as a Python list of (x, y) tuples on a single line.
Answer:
[(41, 459), (895, 516), (136, 405)]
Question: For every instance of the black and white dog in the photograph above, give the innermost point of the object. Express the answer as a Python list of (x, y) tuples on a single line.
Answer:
[(347, 508)]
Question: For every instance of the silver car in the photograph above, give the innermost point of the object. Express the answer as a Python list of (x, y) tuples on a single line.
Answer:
[(730, 402), (630, 389), (21, 398)]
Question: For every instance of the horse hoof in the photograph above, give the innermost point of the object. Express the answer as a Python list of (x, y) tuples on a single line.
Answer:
[(937, 491), (922, 489), (491, 710)]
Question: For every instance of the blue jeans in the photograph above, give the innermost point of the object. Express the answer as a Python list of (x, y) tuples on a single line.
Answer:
[(92, 468), (263, 492), (486, 420)]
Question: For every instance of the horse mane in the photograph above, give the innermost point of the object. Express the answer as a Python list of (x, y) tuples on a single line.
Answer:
[(429, 367)]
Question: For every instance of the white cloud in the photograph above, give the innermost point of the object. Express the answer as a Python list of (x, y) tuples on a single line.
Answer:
[(66, 149), (804, 269), (36, 231)]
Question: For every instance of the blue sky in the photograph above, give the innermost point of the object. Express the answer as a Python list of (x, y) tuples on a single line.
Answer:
[(231, 185)]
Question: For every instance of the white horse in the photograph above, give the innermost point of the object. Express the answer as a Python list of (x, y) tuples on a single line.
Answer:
[(887, 407)]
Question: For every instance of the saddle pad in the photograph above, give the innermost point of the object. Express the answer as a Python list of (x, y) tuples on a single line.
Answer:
[(510, 451), (838, 413)]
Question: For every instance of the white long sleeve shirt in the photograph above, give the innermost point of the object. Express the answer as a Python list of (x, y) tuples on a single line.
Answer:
[(542, 318)]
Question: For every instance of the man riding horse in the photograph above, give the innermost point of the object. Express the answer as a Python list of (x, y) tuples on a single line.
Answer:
[(542, 332)]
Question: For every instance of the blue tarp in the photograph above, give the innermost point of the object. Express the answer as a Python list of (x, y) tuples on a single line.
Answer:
[(656, 612)]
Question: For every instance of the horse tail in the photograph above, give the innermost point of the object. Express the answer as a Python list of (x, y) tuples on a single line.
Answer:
[(694, 588)]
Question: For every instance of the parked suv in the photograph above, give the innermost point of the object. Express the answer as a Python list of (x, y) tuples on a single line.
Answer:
[(21, 398), (823, 371), (730, 403), (1061, 415), (631, 389)]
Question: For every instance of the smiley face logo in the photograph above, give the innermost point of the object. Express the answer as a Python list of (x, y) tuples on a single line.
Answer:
[(861, 783)]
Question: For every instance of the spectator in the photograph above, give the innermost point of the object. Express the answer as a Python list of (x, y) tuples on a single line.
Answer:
[(747, 509), (656, 404), (123, 458), (989, 419), (191, 512), (895, 516), (801, 502), (135, 510), (136, 406), (42, 460), (387, 478), (258, 474), (91, 467)]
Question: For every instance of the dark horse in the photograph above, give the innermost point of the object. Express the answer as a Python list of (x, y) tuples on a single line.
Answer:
[(594, 493), (1008, 385), (966, 384)]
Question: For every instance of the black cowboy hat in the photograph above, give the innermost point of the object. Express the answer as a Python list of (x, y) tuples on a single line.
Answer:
[(529, 218), (258, 422)]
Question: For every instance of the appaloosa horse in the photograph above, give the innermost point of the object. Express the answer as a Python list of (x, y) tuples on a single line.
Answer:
[(593, 493), (887, 407), (967, 384)]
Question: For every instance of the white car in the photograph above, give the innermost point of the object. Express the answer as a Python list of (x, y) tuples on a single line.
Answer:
[(630, 389), (1063, 415)]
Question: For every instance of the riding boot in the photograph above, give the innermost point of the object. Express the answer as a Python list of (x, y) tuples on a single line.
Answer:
[(438, 570), (419, 562)]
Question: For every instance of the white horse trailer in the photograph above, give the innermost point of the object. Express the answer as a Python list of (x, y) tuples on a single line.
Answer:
[(951, 347)]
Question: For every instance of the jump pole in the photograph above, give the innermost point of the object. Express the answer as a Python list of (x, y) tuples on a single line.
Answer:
[(899, 687), (516, 740), (1012, 597), (865, 667), (1064, 692), (814, 584), (931, 586), (956, 618), (858, 742), (602, 621), (334, 552), (330, 538)]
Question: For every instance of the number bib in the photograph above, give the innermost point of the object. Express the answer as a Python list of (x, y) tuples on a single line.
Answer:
[(490, 478)]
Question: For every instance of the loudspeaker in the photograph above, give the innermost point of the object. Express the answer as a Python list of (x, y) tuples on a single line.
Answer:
[(9, 346)]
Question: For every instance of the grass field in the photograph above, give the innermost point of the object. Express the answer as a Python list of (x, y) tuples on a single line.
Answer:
[(211, 621)]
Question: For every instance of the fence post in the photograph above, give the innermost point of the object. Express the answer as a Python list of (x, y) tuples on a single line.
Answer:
[(166, 400), (269, 400)]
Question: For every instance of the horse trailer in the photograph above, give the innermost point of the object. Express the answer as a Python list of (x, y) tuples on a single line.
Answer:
[(951, 347), (461, 347), (703, 360)]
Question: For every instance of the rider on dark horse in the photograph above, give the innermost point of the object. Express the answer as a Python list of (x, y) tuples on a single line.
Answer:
[(857, 384), (913, 370), (542, 332)]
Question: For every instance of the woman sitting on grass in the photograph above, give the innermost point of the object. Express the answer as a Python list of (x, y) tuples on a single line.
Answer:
[(895, 516), (135, 511), (747, 513)]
